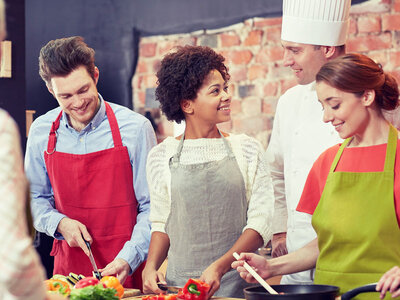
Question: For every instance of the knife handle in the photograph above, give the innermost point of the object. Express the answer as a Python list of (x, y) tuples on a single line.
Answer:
[(87, 244), (162, 287)]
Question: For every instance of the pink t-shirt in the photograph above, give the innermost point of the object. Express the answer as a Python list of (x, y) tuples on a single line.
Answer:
[(354, 159)]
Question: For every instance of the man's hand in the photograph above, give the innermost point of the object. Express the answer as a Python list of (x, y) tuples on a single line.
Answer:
[(74, 232), (278, 243), (118, 267)]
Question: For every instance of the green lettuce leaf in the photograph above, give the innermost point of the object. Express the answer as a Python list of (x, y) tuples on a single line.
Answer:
[(93, 292)]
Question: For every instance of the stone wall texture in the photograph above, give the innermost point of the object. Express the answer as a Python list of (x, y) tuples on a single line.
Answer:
[(254, 56)]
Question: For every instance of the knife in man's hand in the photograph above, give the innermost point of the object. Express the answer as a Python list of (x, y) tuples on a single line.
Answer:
[(96, 272)]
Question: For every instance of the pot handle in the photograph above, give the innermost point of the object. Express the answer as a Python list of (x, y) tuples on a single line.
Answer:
[(362, 289)]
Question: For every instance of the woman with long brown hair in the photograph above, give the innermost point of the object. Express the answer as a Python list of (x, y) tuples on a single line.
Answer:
[(353, 189)]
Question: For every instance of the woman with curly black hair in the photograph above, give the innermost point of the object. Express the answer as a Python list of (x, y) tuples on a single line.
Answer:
[(210, 191)]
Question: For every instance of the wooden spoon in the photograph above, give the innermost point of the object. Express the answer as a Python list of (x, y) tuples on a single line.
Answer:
[(256, 276)]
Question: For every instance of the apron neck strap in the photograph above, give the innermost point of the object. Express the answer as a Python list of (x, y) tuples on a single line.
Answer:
[(339, 154), (113, 125), (51, 144), (390, 150)]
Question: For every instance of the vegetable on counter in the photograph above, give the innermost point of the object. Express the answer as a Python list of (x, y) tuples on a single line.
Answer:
[(57, 286), (90, 292), (161, 297), (87, 281), (83, 288), (194, 289), (113, 282)]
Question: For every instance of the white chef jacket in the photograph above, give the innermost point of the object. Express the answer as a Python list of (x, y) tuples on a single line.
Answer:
[(298, 137)]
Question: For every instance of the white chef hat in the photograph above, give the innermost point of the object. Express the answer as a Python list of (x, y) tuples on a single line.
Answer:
[(315, 22)]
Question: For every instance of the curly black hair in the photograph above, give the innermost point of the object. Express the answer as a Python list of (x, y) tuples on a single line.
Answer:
[(181, 75)]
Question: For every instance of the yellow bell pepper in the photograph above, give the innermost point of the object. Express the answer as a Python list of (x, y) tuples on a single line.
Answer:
[(113, 282)]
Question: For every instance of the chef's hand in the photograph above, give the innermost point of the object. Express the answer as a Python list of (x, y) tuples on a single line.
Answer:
[(390, 281), (278, 243), (74, 232), (212, 276), (150, 278), (118, 267), (257, 262)]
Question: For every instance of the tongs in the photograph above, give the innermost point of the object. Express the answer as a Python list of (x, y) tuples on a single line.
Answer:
[(96, 272)]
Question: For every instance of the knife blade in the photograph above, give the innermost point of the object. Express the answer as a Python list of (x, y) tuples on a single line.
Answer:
[(166, 288), (95, 270)]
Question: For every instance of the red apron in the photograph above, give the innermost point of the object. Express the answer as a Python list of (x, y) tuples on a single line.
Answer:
[(97, 190)]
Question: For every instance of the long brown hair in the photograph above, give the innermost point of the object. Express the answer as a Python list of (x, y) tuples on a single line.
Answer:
[(355, 73)]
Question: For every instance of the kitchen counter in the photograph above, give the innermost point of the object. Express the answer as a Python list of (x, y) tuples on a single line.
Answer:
[(214, 298), (134, 294)]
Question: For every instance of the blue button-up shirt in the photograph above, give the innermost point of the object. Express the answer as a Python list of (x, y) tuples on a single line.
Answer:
[(137, 135)]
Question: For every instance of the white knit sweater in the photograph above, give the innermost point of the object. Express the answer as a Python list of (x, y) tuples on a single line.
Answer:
[(252, 163)]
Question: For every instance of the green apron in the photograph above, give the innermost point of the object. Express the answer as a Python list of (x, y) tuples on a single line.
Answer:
[(356, 224)]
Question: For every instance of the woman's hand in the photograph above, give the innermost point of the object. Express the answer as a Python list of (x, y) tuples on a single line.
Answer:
[(212, 276), (150, 278), (390, 281), (257, 262)]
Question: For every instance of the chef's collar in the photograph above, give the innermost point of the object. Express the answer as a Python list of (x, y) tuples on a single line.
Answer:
[(313, 86), (97, 119)]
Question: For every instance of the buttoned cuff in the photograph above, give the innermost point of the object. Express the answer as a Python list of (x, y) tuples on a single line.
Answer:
[(132, 256)]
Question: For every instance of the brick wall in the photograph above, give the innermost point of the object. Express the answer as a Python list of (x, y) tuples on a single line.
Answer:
[(254, 57)]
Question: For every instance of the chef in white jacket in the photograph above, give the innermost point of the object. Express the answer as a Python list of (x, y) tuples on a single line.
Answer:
[(313, 32)]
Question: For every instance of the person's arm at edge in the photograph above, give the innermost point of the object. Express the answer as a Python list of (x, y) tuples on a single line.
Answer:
[(22, 274), (301, 260)]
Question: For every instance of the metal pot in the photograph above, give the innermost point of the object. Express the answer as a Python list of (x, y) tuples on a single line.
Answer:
[(306, 292)]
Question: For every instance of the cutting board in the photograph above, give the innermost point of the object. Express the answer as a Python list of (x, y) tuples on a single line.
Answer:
[(131, 293)]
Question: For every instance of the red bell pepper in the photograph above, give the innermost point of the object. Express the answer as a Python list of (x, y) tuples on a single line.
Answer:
[(194, 289)]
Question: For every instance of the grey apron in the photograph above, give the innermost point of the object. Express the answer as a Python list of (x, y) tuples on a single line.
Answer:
[(207, 216)]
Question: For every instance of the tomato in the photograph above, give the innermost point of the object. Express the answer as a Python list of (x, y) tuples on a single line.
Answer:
[(86, 282), (161, 297)]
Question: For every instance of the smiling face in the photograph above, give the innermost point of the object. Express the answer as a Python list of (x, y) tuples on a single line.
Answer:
[(347, 112), (305, 60), (212, 104), (77, 95)]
